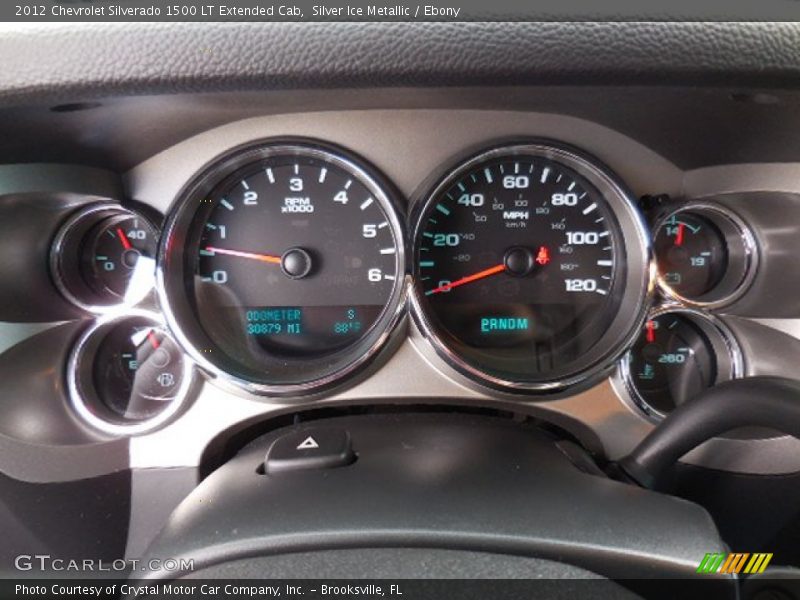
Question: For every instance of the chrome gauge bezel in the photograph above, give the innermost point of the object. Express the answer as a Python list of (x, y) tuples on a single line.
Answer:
[(82, 397), (730, 359), (170, 270), (638, 282), (743, 253), (91, 215)]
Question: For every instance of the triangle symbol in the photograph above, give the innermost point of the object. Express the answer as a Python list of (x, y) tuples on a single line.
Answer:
[(308, 443)]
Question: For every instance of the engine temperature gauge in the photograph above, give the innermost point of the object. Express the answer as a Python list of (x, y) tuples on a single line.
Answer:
[(104, 256), (679, 354)]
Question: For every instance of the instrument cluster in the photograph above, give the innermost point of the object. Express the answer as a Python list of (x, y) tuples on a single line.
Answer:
[(125, 375), (706, 259), (285, 266)]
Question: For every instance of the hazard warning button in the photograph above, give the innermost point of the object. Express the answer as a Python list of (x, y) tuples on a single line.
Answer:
[(309, 448)]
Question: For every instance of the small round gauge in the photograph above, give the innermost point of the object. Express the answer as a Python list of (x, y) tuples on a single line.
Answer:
[(283, 267), (530, 267), (127, 375), (679, 354), (104, 256), (705, 254)]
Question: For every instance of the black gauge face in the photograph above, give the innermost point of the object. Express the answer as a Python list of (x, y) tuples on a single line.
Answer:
[(114, 249), (692, 254), (137, 370), (293, 265), (672, 361), (104, 256), (520, 266)]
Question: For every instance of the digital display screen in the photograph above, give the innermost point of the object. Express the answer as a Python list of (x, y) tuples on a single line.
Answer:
[(496, 324), (275, 321), (295, 330)]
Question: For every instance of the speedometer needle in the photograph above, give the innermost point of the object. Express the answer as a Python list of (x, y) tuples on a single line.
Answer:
[(268, 258), (468, 279)]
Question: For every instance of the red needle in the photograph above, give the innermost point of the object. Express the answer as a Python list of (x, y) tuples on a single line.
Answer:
[(262, 257), (679, 235), (126, 243), (651, 331), (153, 339), (469, 279)]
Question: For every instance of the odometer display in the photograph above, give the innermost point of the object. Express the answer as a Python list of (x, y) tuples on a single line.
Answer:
[(521, 265), (293, 266)]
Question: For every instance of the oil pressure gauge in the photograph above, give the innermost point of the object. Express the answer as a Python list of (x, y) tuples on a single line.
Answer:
[(103, 257)]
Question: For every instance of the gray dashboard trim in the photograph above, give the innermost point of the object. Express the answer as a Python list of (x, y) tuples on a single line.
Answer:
[(412, 144), (43, 178)]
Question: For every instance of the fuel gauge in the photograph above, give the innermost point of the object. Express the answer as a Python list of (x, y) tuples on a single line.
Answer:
[(127, 375)]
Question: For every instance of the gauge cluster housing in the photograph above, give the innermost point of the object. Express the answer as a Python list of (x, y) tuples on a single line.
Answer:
[(598, 410)]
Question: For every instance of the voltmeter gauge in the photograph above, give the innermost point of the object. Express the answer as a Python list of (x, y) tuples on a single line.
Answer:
[(706, 255), (127, 375), (693, 254), (679, 354), (104, 256)]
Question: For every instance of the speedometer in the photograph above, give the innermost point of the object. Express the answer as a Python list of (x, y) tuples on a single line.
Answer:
[(284, 267), (531, 267)]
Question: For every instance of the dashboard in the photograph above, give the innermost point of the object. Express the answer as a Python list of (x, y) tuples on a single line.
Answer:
[(266, 298), (185, 266)]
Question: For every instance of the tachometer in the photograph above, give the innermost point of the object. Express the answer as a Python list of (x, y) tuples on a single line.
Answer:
[(531, 267), (284, 267)]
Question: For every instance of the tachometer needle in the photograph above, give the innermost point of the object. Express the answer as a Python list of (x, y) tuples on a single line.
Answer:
[(126, 243), (268, 258), (468, 279)]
